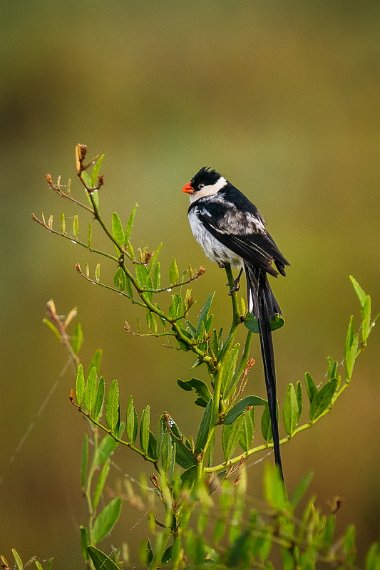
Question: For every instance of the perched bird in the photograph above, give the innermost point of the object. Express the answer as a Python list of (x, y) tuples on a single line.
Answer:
[(232, 231)]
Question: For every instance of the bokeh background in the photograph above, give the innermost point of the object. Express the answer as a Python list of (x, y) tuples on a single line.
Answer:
[(282, 97)]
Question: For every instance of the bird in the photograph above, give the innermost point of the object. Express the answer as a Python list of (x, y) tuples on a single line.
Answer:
[(231, 230)]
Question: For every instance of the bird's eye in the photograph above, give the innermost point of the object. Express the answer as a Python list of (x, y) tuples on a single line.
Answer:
[(200, 186)]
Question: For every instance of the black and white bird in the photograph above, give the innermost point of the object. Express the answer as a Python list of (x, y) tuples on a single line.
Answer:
[(232, 231)]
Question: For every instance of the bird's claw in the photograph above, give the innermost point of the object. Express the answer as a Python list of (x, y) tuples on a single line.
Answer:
[(235, 287), (235, 284)]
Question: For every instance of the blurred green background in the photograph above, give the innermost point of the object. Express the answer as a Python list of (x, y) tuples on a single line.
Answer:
[(282, 98)]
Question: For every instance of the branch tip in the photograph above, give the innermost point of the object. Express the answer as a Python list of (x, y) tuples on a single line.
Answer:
[(80, 155)]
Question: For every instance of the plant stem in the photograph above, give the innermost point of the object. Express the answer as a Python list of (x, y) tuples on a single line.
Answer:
[(268, 445), (236, 319), (115, 437)]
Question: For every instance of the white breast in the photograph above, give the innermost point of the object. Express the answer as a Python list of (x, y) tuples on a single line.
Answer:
[(213, 248)]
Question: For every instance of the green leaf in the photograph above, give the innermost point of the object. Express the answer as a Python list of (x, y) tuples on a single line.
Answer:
[(142, 276), (38, 565), (372, 561), (155, 274), (128, 229), (184, 456), (359, 291), (167, 556), (106, 520), (84, 541), (53, 328), (204, 428), (332, 368), (96, 360), (366, 319), (184, 451), (177, 307), (243, 406), (101, 561), (149, 552), (327, 537), (100, 484), (239, 553), (91, 390), (348, 546), (311, 387), (76, 226), (200, 387), (144, 429), (87, 179), (77, 338), (301, 489), (152, 446), (173, 272), (277, 322), (274, 489), (96, 170), (132, 421), (151, 321), (80, 385), (203, 316), (188, 477), (252, 324), (95, 197), (117, 229), (351, 349), (128, 286), (214, 343), (17, 558), (63, 224), (247, 429), (97, 272), (231, 434), (291, 410), (323, 399), (84, 461), (227, 370), (120, 279), (99, 401), (89, 236), (166, 450), (104, 450), (112, 406), (122, 282), (226, 345)]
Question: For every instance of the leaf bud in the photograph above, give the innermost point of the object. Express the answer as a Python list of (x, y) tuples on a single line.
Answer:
[(80, 155)]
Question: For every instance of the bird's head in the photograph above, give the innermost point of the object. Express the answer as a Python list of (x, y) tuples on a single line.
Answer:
[(205, 182)]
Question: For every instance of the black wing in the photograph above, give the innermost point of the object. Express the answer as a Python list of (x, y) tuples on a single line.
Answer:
[(243, 232)]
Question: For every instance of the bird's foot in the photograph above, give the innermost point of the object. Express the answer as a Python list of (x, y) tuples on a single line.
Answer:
[(236, 284)]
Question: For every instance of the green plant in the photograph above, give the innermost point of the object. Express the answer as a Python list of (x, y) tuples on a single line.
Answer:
[(19, 565), (185, 473)]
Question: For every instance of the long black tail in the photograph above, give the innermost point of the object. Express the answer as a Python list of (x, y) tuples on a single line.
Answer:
[(263, 305)]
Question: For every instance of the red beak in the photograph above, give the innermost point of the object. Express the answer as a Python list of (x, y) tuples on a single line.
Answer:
[(188, 188)]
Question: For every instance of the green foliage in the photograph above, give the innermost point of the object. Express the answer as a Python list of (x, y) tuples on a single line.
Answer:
[(186, 474), (19, 565), (292, 410), (201, 389), (101, 561), (106, 519)]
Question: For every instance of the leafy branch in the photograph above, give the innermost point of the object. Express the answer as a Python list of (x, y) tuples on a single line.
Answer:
[(181, 462)]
